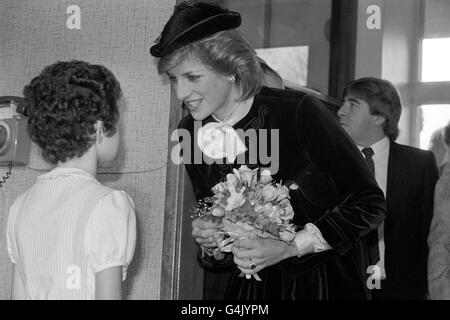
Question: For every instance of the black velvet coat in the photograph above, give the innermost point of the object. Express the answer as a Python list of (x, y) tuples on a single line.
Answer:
[(337, 194)]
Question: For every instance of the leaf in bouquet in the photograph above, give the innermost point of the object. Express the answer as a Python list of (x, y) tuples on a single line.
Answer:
[(202, 209), (237, 229), (269, 211), (271, 227), (282, 196), (211, 218), (208, 251), (287, 210), (247, 209), (226, 244), (287, 235), (258, 195), (288, 213), (284, 203), (250, 194), (221, 202)]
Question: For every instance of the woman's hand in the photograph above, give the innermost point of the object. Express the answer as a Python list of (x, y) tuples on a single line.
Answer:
[(260, 252), (204, 232)]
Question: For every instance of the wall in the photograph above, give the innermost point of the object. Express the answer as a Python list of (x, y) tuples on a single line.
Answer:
[(400, 58), (117, 34), (391, 52), (292, 23)]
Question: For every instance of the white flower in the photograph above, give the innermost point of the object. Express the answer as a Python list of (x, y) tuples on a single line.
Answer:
[(237, 174), (248, 177), (266, 177), (219, 188), (275, 214), (218, 140), (264, 209), (270, 212), (288, 212), (218, 212), (293, 186), (282, 192), (232, 182), (235, 200), (269, 192)]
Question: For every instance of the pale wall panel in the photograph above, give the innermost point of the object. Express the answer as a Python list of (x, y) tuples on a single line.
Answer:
[(117, 34)]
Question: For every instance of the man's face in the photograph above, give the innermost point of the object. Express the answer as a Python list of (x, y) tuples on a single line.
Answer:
[(355, 118)]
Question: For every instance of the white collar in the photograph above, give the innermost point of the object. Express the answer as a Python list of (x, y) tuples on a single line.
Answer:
[(66, 171), (244, 105), (380, 147)]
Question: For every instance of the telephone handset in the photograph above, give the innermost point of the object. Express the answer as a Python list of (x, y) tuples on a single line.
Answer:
[(14, 140)]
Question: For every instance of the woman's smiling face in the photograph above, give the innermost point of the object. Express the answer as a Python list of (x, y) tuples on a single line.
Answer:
[(202, 90)]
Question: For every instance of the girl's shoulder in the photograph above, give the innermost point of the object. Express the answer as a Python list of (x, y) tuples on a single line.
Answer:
[(110, 233), (115, 202)]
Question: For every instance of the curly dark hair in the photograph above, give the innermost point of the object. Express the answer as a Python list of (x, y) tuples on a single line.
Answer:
[(63, 105)]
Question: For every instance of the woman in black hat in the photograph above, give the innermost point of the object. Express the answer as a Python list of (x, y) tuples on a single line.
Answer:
[(216, 74)]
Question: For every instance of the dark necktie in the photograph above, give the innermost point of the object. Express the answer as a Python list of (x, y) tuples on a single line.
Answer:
[(368, 153), (372, 237)]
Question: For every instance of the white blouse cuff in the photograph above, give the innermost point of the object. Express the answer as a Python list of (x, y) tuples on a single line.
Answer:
[(310, 240)]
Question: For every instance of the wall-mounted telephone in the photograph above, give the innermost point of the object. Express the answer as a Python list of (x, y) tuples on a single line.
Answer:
[(14, 140)]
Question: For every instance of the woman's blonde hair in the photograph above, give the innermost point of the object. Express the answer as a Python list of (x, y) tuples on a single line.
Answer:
[(225, 52)]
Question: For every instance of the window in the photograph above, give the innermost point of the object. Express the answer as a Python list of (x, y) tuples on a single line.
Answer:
[(436, 59), (434, 116), (292, 36), (296, 71), (432, 94)]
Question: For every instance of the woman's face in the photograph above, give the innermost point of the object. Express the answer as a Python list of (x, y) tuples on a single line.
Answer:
[(203, 91)]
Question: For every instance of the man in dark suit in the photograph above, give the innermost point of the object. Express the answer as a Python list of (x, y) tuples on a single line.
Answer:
[(398, 249)]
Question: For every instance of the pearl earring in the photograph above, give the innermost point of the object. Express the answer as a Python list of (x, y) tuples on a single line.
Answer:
[(232, 78)]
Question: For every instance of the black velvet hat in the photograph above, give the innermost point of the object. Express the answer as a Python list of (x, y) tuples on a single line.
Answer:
[(191, 22)]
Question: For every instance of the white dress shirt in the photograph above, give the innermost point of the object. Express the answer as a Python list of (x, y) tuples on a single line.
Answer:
[(380, 159)]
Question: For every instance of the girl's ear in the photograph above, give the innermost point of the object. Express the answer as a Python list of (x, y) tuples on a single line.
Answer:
[(99, 134)]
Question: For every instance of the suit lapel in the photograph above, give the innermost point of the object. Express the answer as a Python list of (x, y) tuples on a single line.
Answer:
[(394, 174)]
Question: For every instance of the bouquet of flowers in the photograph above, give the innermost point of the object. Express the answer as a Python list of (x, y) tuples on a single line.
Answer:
[(249, 204)]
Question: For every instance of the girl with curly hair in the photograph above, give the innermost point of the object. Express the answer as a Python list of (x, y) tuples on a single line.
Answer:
[(69, 236)]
